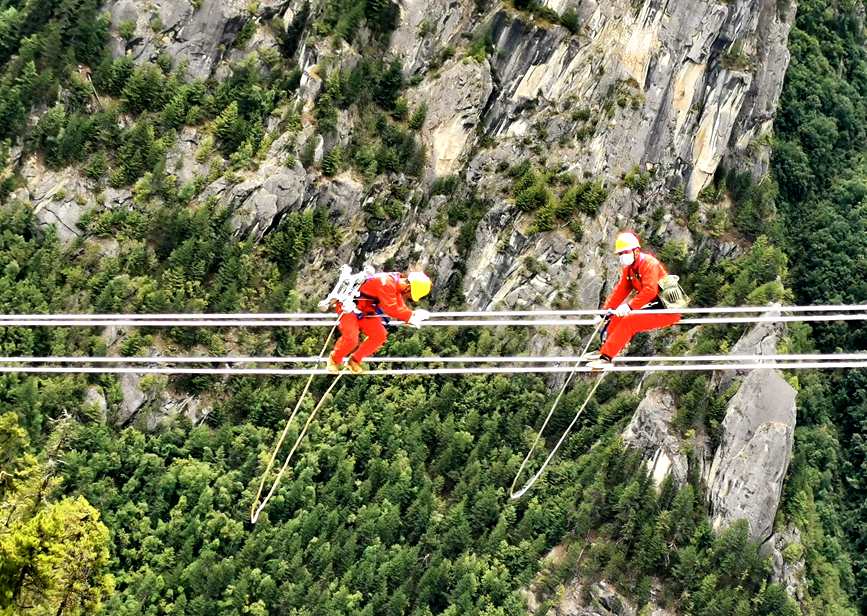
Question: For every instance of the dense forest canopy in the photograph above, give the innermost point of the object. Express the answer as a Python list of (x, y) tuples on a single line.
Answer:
[(398, 502)]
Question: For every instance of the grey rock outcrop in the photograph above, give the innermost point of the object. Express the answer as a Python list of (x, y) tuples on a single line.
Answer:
[(651, 432), (598, 599), (787, 560), (746, 476), (198, 37), (666, 83), (455, 100), (59, 198), (257, 201), (134, 399), (759, 340), (425, 25), (190, 407)]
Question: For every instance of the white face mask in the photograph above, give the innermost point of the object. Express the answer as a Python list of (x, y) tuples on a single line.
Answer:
[(627, 259)]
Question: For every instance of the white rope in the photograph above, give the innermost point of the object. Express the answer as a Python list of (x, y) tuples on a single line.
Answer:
[(329, 316), (427, 371), (430, 360), (429, 323)]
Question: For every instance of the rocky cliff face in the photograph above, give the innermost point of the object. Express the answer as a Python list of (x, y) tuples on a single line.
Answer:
[(670, 89)]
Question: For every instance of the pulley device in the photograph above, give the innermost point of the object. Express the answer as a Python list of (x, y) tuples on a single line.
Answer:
[(346, 289)]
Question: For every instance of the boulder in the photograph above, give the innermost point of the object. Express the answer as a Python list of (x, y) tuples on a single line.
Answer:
[(259, 200), (598, 599), (651, 432), (746, 476), (133, 398)]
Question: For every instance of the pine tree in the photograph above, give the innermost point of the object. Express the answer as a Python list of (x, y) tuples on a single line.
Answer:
[(229, 128), (145, 90)]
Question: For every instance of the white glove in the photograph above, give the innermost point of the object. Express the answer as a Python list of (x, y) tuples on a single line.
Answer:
[(622, 310), (418, 316)]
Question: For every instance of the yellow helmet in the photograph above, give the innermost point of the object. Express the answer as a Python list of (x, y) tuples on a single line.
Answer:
[(626, 241), (419, 285)]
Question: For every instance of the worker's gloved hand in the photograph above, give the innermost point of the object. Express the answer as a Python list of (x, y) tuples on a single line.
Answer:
[(418, 316), (598, 318), (622, 310)]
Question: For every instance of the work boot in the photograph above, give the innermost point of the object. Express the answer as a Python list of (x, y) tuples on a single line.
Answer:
[(355, 367), (332, 366), (599, 365)]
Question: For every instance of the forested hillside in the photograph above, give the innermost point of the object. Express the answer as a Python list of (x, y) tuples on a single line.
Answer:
[(819, 166), (227, 157)]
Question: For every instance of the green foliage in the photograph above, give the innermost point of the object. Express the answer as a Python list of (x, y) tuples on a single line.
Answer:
[(138, 153), (126, 30), (111, 76), (41, 43), (343, 18), (53, 552), (755, 205), (333, 161), (529, 188), (818, 166), (445, 185), (532, 192), (482, 46), (636, 180), (569, 20), (290, 242), (416, 121)]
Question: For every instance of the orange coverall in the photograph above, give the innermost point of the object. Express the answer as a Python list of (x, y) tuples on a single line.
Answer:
[(378, 295), (642, 276)]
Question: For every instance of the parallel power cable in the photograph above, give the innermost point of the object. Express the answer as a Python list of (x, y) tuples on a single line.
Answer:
[(429, 323), (330, 316), (516, 359), (819, 365)]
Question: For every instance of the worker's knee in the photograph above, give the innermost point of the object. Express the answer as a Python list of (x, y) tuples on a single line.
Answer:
[(378, 335), (350, 338)]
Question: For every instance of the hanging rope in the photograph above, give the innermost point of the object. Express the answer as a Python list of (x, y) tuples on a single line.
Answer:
[(257, 507), (516, 495)]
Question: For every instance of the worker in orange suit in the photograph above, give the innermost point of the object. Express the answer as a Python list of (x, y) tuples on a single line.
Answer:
[(641, 274), (380, 295)]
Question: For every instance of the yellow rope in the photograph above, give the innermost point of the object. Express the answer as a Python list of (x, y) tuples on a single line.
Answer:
[(257, 507), (516, 495)]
